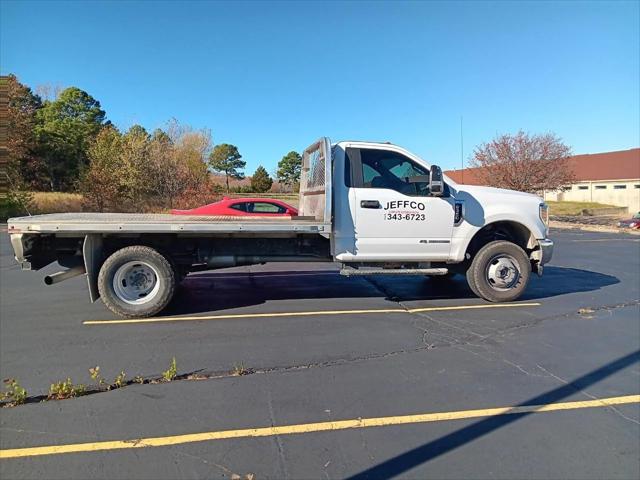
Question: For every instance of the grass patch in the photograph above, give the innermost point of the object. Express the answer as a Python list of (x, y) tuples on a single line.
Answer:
[(573, 208), (56, 202), (41, 202)]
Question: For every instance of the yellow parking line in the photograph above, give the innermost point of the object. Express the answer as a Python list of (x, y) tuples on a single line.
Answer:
[(473, 307), (304, 314), (310, 427)]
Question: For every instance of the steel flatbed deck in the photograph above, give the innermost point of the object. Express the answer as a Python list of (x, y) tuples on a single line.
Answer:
[(85, 223)]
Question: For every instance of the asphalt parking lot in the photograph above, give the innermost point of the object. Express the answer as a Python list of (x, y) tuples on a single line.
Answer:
[(379, 377)]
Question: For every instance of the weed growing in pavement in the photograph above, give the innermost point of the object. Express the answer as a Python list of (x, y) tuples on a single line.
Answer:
[(239, 369), (96, 377), (120, 380), (14, 394), (65, 389), (170, 374)]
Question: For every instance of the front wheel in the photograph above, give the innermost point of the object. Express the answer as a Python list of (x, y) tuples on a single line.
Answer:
[(136, 281), (499, 272)]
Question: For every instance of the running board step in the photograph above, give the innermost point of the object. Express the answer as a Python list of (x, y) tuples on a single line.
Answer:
[(349, 271)]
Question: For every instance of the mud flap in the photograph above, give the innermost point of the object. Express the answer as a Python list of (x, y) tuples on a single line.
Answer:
[(92, 254)]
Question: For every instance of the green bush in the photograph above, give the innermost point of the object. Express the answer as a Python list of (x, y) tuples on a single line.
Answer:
[(15, 204)]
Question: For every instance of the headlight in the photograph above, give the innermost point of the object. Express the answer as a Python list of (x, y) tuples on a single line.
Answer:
[(633, 225), (544, 214)]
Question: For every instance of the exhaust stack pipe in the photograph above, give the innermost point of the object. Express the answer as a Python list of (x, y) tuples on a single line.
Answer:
[(64, 275)]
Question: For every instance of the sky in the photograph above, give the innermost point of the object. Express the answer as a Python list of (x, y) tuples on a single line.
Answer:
[(270, 77)]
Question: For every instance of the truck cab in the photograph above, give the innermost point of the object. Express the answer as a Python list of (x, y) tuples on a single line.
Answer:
[(386, 208)]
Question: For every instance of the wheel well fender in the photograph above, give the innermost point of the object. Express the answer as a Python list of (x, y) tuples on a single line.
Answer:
[(501, 230)]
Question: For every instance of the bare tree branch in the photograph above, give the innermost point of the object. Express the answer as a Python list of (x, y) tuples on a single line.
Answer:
[(528, 163)]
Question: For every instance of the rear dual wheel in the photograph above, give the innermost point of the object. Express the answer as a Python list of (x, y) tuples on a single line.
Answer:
[(499, 272), (136, 281)]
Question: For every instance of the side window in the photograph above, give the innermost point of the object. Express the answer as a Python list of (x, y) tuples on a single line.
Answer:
[(384, 169), (242, 206), (265, 207), (369, 174)]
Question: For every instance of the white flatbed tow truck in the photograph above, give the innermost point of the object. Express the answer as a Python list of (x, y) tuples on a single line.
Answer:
[(373, 207)]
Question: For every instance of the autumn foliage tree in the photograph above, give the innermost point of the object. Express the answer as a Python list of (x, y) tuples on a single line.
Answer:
[(19, 144), (528, 163), (141, 172), (99, 183)]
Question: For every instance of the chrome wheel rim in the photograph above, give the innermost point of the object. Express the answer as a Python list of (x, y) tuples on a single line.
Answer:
[(136, 283), (503, 272)]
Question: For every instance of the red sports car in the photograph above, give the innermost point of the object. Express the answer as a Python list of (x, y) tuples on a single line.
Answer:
[(633, 222), (241, 207)]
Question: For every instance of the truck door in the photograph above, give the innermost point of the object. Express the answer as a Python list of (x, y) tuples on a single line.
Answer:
[(395, 216)]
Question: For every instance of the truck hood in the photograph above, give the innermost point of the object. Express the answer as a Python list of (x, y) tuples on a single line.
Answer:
[(485, 205), (497, 194)]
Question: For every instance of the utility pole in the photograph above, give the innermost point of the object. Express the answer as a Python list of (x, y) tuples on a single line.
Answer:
[(461, 153)]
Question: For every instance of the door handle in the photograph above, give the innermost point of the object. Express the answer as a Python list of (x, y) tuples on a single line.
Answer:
[(370, 204)]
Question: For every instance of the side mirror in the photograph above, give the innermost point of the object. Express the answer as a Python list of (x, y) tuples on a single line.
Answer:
[(436, 185)]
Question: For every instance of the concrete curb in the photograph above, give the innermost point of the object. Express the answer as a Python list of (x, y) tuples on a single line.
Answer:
[(591, 228)]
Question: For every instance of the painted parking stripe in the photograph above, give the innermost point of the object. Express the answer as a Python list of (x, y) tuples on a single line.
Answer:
[(305, 314), (311, 427)]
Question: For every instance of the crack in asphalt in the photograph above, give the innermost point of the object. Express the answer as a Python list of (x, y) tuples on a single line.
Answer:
[(587, 394), (281, 458), (447, 341), (538, 321)]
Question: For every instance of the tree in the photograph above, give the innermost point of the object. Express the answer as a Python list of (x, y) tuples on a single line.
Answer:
[(193, 148), (178, 166), (170, 176), (289, 169), (48, 91), (141, 172), (261, 181), (65, 128), (226, 158), (100, 183), (161, 136), (528, 163), (133, 172), (23, 164)]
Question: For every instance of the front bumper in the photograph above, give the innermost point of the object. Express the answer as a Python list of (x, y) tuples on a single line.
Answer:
[(541, 255), (546, 250)]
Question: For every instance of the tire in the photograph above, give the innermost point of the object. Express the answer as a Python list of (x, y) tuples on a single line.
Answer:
[(499, 272), (137, 282), (472, 283)]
